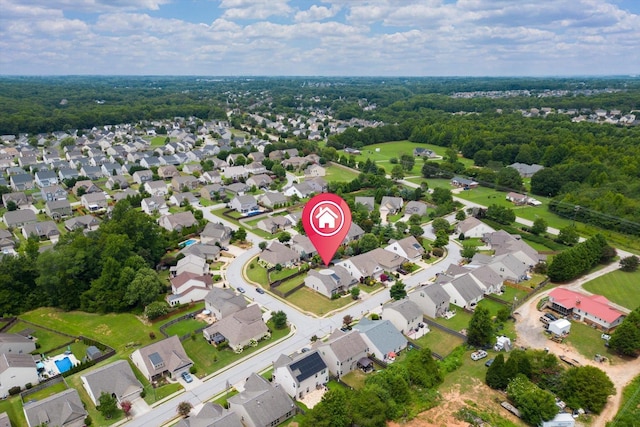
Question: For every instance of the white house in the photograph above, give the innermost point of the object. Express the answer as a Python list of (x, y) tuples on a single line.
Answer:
[(342, 351), (300, 375), (472, 227), (16, 370), (409, 248), (405, 315)]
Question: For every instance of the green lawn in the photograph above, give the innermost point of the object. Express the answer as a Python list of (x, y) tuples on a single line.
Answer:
[(158, 141), (289, 284), (439, 341), (308, 300), (619, 287), (355, 379), (339, 174), (13, 407), (458, 322), (257, 273), (282, 274), (184, 327), (46, 339), (510, 293), (587, 341), (48, 391)]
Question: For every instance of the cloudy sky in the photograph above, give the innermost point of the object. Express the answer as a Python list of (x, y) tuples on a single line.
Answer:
[(320, 37)]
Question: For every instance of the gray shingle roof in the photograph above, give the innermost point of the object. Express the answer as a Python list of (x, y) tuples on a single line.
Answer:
[(115, 378), (382, 334), (263, 401), (60, 409)]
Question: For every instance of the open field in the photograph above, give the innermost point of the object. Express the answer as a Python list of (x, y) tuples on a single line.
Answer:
[(588, 342), (439, 341), (339, 174), (619, 287)]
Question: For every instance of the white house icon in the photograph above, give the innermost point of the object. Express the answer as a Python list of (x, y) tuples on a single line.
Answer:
[(326, 218)]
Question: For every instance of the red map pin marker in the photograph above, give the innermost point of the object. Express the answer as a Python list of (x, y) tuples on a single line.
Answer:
[(326, 219)]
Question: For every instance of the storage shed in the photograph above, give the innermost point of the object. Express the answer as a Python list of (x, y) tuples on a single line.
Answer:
[(560, 327)]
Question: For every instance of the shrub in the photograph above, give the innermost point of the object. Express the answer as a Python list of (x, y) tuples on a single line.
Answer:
[(88, 421), (375, 316), (14, 390), (193, 369), (143, 393), (437, 252), (152, 335), (156, 309), (28, 386)]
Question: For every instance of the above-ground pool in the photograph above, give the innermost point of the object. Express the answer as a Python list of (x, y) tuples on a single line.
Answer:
[(64, 364)]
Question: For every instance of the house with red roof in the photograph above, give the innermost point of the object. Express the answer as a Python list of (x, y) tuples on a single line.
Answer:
[(591, 309)]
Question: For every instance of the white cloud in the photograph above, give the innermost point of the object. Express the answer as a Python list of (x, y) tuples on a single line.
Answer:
[(96, 6), (316, 13), (254, 9)]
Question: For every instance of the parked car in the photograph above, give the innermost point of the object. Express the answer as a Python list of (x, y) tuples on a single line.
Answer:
[(605, 337), (241, 290), (477, 355), (260, 290), (489, 362), (186, 376)]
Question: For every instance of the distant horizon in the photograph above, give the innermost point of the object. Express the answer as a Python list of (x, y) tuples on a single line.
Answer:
[(301, 76), (377, 38)]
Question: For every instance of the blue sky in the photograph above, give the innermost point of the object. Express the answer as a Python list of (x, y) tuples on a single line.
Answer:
[(320, 37)]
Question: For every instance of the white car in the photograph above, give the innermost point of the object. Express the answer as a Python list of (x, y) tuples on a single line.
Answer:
[(477, 355), (605, 337)]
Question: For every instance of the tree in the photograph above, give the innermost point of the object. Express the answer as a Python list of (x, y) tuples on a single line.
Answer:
[(126, 406), (480, 329), (144, 288), (539, 226), (509, 178), (156, 309), (407, 162), (12, 206), (630, 263), (397, 290), (468, 251), (397, 172), (416, 230), (240, 234), (368, 409), (355, 292), (184, 409), (586, 387), (401, 227), (279, 319), (568, 235), (495, 374), (284, 237), (347, 320), (440, 224), (626, 338), (332, 411), (368, 242), (108, 406), (442, 239), (535, 405), (460, 215), (501, 214), (441, 196), (423, 369), (262, 245)]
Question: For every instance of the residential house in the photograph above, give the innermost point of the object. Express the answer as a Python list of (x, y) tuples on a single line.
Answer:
[(21, 182), (150, 205), (191, 263), (390, 205), (294, 162), (317, 185), (156, 188), (303, 246), (409, 248), (184, 183), (301, 190), (223, 302), (215, 233), (354, 233), (57, 209), (85, 187), (488, 278), (184, 199), (507, 266), (255, 168), (142, 176), (239, 329), (124, 194), (211, 177), (213, 192), (53, 192), (16, 344), (372, 264), (244, 204), (368, 202), (16, 370), (464, 291), (330, 282), (594, 310), (382, 338), (177, 221), (211, 415), (64, 409), (504, 243), (192, 168), (94, 202), (116, 379), (465, 183), (85, 222), (431, 298), (301, 374), (405, 315), (7, 244), (525, 170), (150, 162), (517, 198), (189, 287), (110, 169), (273, 199), (342, 351), (256, 156), (235, 172), (91, 172), (19, 218), (424, 152), (277, 253), (472, 227), (274, 224), (117, 182), (47, 230), (259, 181), (67, 173), (46, 178), (262, 404), (208, 252), (237, 188), (20, 199), (415, 208), (162, 358), (315, 171)]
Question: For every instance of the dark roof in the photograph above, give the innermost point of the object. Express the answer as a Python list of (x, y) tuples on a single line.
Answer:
[(308, 366)]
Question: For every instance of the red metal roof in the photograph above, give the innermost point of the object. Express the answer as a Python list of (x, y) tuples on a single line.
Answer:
[(595, 305)]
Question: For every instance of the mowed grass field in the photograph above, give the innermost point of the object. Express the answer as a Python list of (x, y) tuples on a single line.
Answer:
[(619, 287), (339, 173)]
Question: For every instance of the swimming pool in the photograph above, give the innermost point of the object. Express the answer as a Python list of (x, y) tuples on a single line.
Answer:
[(64, 365), (188, 243)]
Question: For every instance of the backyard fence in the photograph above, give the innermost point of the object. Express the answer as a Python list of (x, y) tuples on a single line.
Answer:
[(530, 295), (7, 323), (176, 320), (496, 299), (273, 286), (444, 328), (43, 384)]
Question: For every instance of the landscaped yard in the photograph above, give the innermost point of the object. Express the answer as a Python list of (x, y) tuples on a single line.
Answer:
[(439, 341), (619, 287), (48, 391), (458, 322), (308, 300), (184, 327)]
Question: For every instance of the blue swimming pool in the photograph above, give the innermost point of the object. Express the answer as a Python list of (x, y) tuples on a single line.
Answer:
[(64, 364), (188, 243)]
